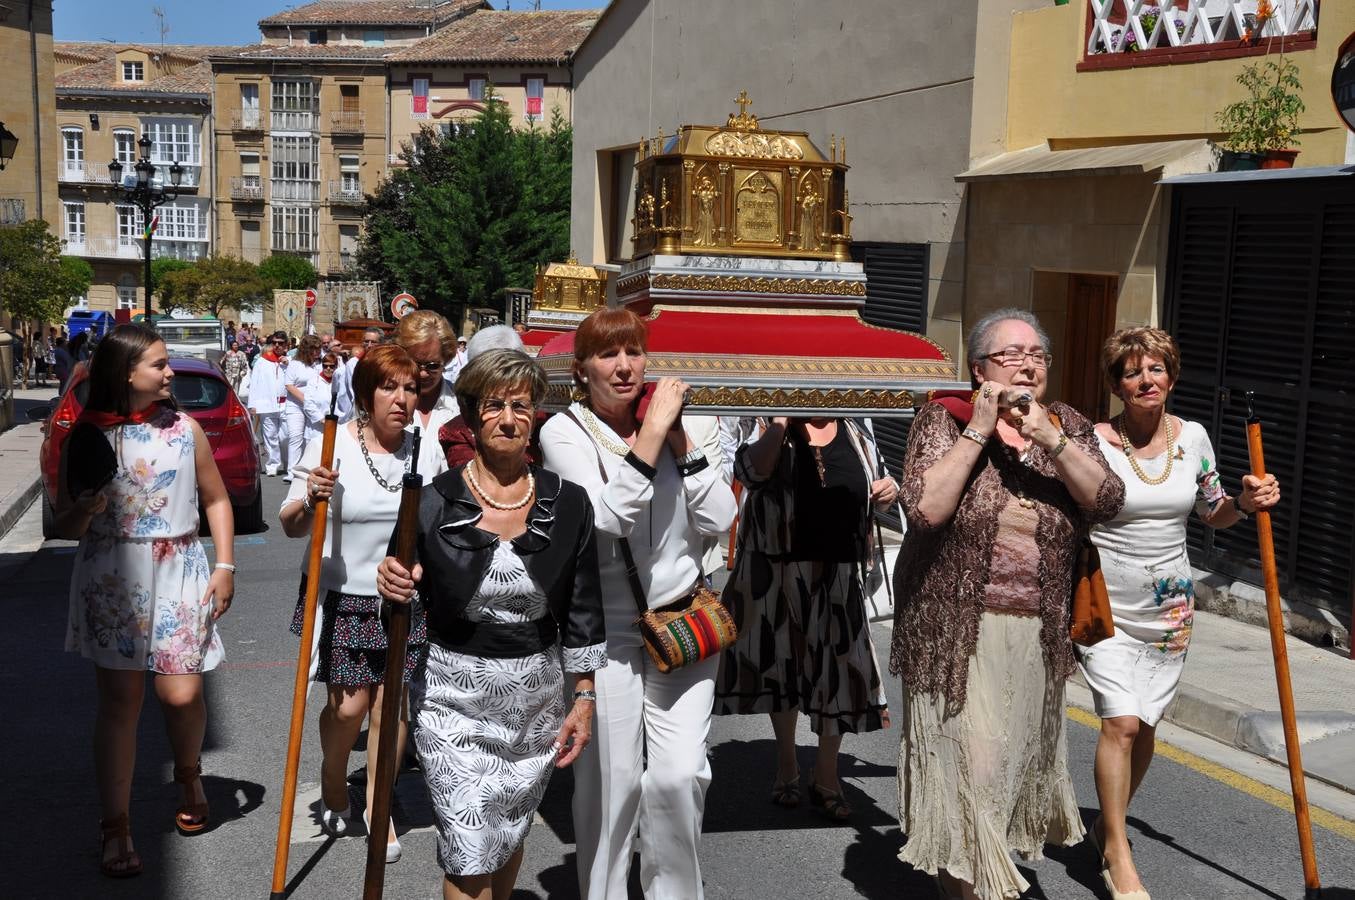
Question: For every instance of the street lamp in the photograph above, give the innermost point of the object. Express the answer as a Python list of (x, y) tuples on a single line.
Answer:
[(146, 196), (9, 142)]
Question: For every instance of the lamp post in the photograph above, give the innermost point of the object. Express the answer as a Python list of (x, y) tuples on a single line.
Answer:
[(146, 196), (9, 142)]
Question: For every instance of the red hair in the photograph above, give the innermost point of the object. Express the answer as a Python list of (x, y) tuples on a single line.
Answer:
[(380, 364), (608, 328)]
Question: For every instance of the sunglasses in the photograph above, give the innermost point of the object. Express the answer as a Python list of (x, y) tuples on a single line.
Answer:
[(429, 367), (329, 366)]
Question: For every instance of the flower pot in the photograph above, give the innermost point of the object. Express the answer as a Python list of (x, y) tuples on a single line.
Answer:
[(1279, 159), (1234, 161)]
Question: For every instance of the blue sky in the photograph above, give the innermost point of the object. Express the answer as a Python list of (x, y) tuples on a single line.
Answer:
[(200, 21)]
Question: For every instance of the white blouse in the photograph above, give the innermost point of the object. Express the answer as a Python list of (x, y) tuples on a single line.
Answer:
[(432, 459), (362, 513), (665, 519)]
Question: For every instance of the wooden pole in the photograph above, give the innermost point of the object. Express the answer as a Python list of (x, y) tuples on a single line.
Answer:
[(303, 663), (734, 526), (1312, 885), (397, 642)]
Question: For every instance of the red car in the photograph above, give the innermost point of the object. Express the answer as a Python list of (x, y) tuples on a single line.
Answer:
[(201, 391)]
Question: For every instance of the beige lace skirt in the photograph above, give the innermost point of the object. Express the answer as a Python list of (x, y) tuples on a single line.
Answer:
[(994, 778)]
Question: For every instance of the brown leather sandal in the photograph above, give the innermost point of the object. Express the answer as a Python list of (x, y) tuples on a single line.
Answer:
[(126, 864), (830, 805), (190, 818)]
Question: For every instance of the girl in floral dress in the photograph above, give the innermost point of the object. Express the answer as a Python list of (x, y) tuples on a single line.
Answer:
[(1169, 468), (143, 595)]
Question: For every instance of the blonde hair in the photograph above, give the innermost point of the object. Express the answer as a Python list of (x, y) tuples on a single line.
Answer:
[(425, 325), (1136, 343)]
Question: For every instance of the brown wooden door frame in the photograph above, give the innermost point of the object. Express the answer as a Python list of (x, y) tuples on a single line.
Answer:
[(1090, 320)]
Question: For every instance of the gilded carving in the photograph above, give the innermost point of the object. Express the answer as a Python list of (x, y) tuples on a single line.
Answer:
[(745, 284), (560, 395), (705, 194), (757, 212), (753, 146), (810, 236)]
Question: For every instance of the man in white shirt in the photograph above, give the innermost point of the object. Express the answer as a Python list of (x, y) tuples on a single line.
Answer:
[(343, 378), (267, 397), (457, 362)]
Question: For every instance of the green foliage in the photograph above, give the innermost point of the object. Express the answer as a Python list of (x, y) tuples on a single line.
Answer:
[(36, 282), (166, 300), (1269, 118), (287, 272), (471, 213), (216, 283)]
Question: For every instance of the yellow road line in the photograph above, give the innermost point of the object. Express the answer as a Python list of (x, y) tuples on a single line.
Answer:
[(1235, 780)]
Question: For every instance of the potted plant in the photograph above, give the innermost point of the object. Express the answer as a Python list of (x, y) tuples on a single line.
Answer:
[(1263, 128)]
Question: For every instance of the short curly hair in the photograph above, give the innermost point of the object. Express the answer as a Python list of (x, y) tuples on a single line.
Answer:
[(1136, 343), (377, 365), (497, 370)]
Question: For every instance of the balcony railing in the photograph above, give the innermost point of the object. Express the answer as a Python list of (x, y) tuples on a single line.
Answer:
[(295, 190), (345, 193), (104, 248), (347, 122), (12, 211), (294, 120), (246, 120), (338, 262), (97, 173), (1131, 26), (247, 187)]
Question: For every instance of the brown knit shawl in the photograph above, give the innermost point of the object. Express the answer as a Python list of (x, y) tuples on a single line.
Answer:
[(942, 570)]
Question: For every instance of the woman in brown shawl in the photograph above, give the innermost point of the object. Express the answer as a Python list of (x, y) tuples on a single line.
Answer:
[(997, 496)]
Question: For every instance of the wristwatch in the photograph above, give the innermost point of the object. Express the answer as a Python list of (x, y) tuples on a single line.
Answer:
[(1237, 505)]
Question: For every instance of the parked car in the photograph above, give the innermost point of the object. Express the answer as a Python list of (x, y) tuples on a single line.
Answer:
[(202, 392), (202, 338)]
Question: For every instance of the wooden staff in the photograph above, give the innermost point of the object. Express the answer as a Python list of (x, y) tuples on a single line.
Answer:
[(303, 662), (1311, 883), (734, 526), (397, 641)]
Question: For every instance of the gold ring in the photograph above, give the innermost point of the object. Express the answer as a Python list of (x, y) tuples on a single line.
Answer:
[(987, 392)]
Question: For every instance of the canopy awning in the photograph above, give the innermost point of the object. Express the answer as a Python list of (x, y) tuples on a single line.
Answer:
[(1170, 157)]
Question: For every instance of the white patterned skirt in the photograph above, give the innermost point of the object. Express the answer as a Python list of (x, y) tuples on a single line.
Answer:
[(485, 732)]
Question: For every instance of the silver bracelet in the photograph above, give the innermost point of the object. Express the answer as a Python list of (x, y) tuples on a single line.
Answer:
[(976, 436), (306, 502), (586, 695), (229, 567), (695, 455)]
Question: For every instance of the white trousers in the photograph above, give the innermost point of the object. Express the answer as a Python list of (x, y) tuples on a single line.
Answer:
[(274, 432), (639, 708), (296, 434)]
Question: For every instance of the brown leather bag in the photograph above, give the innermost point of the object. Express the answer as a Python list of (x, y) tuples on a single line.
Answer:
[(1091, 619)]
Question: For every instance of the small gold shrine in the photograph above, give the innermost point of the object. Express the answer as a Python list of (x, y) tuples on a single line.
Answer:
[(739, 190), (569, 287)]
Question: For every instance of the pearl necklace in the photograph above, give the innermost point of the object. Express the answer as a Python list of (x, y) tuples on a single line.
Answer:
[(475, 483), (1133, 461)]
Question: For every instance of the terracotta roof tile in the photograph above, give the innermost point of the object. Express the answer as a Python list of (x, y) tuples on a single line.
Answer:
[(505, 37), (374, 12), (312, 52), (192, 73)]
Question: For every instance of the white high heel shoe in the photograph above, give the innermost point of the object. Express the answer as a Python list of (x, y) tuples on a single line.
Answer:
[(393, 848), (334, 822), (1116, 893)]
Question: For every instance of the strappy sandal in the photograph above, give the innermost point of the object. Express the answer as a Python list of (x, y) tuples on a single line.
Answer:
[(787, 793), (830, 805), (127, 863), (190, 818)]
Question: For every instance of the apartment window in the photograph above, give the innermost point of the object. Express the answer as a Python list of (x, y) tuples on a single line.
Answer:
[(374, 38), (294, 105), (296, 168), (536, 96), (129, 225), (249, 169), (318, 36), (419, 99), (294, 228), (181, 223), (251, 246), (249, 105), (73, 152), (75, 222), (124, 146), (348, 245), (475, 88), (174, 140), (348, 98), (349, 179), (133, 71), (126, 292)]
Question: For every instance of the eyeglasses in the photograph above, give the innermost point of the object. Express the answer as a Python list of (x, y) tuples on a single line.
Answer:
[(429, 367), (493, 407), (328, 366), (1011, 357)]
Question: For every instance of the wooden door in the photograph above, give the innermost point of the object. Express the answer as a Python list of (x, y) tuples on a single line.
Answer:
[(1090, 320)]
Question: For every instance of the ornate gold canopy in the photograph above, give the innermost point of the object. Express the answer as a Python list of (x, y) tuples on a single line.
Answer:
[(736, 189)]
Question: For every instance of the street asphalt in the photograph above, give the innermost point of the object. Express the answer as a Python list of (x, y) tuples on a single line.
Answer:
[(1200, 829)]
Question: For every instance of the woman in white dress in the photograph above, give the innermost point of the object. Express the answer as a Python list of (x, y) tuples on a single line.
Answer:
[(304, 369), (1169, 468), (507, 568), (143, 596)]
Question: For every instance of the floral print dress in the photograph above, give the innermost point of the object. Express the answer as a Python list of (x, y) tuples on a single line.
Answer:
[(1149, 580), (141, 574)]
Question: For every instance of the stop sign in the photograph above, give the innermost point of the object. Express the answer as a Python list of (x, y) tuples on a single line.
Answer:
[(310, 298)]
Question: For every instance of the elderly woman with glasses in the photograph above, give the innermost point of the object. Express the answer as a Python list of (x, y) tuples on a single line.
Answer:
[(429, 340), (507, 567), (998, 494)]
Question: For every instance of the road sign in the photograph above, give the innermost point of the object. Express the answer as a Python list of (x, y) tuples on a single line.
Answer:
[(403, 304), (1343, 82), (311, 297)]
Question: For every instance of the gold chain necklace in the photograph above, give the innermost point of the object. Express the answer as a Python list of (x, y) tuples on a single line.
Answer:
[(604, 442), (475, 483), (1133, 460)]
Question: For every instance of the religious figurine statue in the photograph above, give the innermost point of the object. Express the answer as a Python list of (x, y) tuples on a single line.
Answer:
[(810, 238), (706, 194), (644, 216)]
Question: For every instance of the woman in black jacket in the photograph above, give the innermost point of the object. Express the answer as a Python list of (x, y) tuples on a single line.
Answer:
[(507, 570)]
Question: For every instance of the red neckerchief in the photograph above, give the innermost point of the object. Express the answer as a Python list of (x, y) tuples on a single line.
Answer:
[(268, 355), (101, 419), (327, 376)]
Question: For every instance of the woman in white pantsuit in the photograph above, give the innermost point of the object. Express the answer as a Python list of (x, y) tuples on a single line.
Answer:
[(661, 494)]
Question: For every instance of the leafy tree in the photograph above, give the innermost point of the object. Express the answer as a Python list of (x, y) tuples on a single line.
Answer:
[(471, 213), (166, 300), (36, 282), (288, 272), (216, 283)]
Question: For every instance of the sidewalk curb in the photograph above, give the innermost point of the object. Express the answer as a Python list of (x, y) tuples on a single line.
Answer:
[(1256, 731), (17, 503)]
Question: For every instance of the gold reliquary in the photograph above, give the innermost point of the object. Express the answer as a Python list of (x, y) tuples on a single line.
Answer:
[(569, 287), (740, 190)]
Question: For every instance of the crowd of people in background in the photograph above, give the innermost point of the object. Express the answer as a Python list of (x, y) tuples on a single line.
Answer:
[(542, 536)]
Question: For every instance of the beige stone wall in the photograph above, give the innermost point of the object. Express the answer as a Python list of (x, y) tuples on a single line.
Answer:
[(30, 177), (343, 35), (894, 77)]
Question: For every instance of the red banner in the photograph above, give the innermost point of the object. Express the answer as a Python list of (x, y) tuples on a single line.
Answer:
[(533, 106), (421, 104)]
